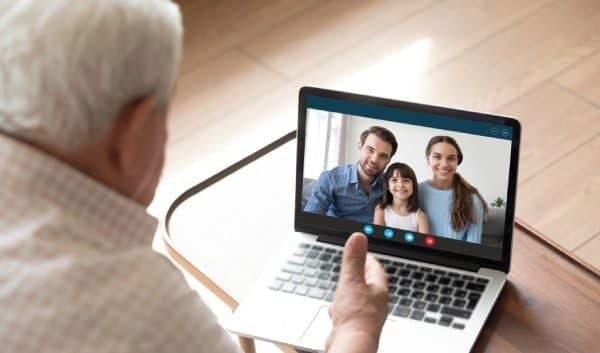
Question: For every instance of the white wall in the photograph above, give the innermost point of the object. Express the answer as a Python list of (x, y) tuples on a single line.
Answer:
[(485, 164)]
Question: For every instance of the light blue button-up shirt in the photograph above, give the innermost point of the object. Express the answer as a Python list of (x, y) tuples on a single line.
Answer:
[(337, 193)]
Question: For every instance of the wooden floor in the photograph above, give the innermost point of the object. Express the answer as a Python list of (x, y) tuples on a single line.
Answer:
[(537, 60)]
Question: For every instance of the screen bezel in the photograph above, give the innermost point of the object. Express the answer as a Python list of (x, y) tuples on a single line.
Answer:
[(313, 223)]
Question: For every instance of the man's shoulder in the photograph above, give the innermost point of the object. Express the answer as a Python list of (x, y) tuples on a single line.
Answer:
[(339, 171)]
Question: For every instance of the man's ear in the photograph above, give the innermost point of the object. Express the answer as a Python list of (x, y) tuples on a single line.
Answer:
[(127, 134)]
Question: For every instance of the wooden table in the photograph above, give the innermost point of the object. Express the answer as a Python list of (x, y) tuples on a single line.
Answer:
[(224, 230)]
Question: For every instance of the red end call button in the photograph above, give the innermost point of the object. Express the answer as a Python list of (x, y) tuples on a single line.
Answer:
[(430, 240)]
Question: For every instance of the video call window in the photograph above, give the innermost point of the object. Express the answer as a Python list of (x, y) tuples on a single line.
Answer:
[(408, 177)]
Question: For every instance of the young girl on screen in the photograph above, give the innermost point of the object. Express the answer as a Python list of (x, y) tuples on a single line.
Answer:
[(399, 205)]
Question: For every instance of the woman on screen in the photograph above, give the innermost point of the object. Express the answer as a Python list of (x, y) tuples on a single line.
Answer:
[(399, 205), (455, 208)]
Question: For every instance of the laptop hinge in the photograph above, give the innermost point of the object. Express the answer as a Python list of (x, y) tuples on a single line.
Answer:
[(416, 254)]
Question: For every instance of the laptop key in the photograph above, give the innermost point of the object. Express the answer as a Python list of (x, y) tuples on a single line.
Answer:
[(453, 275), (325, 257), (337, 259), (459, 303), (433, 288), (288, 287), (392, 289), (401, 311), (459, 293), (312, 254), (445, 320), (419, 305), (325, 267), (430, 320), (417, 275), (336, 269), (431, 297), (330, 250), (297, 261), (417, 294), (412, 267), (323, 275), (311, 272), (439, 272), (477, 287), (433, 308), (468, 277), (403, 272), (303, 245), (284, 276), (310, 282), (463, 314), (299, 252), (482, 280), (317, 247), (406, 282), (393, 279), (403, 292), (458, 283), (297, 279), (312, 263), (446, 291), (390, 270), (335, 278), (301, 290), (445, 300), (405, 301), (294, 269), (431, 278), (316, 293), (276, 285), (444, 281), (419, 285), (324, 284), (458, 326), (393, 299), (417, 315)]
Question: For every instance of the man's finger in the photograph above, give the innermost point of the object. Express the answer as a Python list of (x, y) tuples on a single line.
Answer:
[(353, 261), (375, 275)]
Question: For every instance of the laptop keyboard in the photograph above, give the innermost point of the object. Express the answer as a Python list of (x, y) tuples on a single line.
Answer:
[(416, 292)]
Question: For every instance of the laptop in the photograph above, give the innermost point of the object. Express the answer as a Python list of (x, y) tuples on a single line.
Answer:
[(446, 258)]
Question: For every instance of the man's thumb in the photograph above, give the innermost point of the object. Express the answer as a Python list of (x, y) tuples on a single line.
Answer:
[(355, 255)]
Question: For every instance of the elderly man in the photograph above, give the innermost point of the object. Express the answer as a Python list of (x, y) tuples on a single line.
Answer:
[(84, 93)]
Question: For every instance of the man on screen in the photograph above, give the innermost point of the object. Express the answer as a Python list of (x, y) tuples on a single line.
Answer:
[(352, 191)]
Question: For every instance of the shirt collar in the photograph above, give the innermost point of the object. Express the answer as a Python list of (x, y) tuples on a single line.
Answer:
[(30, 173), (354, 176)]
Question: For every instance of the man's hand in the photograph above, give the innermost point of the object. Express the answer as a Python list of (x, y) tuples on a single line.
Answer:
[(360, 306)]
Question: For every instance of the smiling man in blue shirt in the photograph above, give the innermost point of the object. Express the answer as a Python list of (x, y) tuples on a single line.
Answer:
[(352, 191)]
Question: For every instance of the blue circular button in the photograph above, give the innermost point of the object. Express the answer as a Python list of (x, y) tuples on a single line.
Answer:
[(368, 229), (388, 233), (409, 237)]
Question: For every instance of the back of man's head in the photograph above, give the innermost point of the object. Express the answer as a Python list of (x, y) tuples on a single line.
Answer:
[(68, 67)]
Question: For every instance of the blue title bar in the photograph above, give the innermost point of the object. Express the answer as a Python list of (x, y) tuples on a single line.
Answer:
[(410, 117)]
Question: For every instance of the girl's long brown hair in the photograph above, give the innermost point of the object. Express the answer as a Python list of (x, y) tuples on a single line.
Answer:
[(462, 210)]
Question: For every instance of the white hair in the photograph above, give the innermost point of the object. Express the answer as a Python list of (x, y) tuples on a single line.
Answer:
[(67, 67)]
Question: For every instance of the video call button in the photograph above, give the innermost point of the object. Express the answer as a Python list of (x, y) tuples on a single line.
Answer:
[(388, 233), (430, 240), (409, 237), (368, 229)]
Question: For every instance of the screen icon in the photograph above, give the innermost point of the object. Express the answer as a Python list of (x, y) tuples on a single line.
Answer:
[(368, 229), (409, 237), (388, 233), (430, 240)]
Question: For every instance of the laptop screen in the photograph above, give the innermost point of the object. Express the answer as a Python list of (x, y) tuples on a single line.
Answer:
[(409, 175)]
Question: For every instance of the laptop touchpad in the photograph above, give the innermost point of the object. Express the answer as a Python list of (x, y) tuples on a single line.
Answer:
[(317, 332)]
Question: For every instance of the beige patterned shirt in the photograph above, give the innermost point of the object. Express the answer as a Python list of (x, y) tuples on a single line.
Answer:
[(77, 272)]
